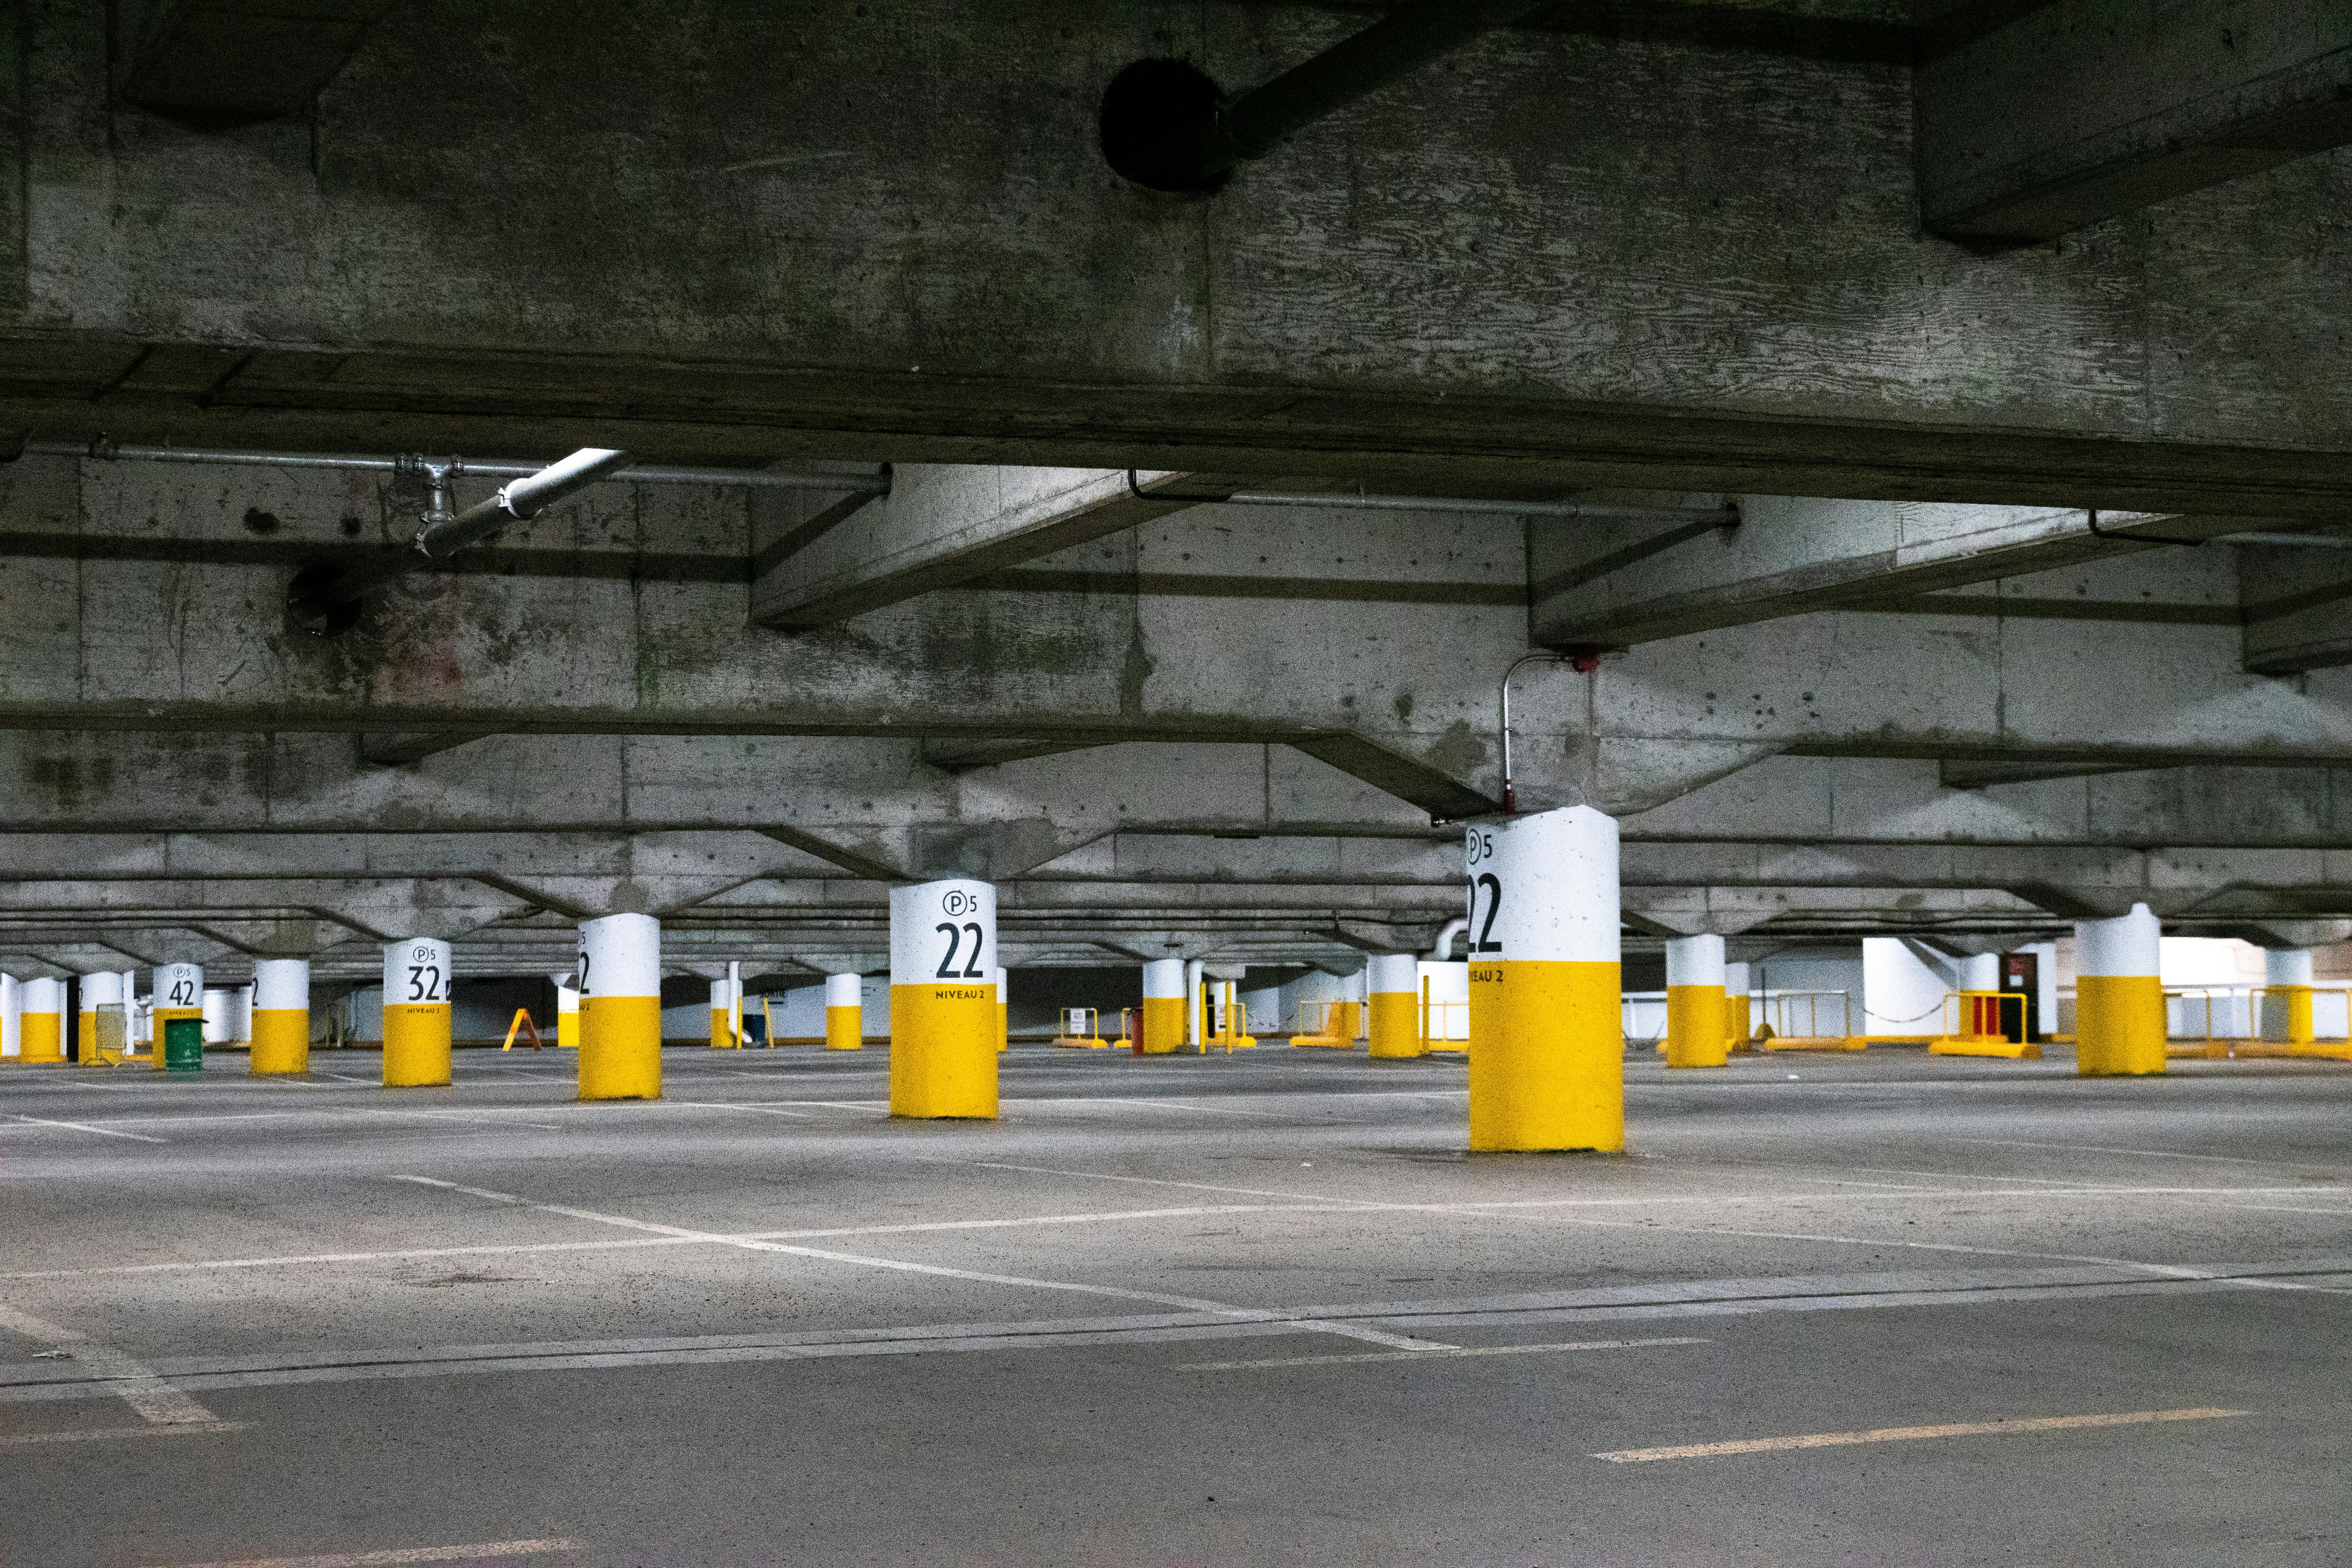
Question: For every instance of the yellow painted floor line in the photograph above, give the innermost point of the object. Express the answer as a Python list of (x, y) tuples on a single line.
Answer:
[(478, 1552), (1447, 1352), (107, 1434), (1906, 1433)]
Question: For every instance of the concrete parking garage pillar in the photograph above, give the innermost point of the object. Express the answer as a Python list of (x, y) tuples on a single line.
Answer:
[(620, 1008), (1695, 1034), (2286, 997), (1738, 1013), (1163, 1006), (567, 1011), (41, 1022), (1003, 1011), (943, 999), (282, 1015), (179, 994), (2118, 995), (416, 1013), (845, 1013), (1395, 980), (1547, 1070)]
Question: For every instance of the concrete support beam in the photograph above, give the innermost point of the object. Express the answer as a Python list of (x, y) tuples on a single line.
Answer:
[(898, 298), (2079, 111), (941, 525), (231, 62), (1615, 584), (2298, 607)]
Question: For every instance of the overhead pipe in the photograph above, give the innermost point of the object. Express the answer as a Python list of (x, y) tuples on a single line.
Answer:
[(1441, 949), (105, 450), (1726, 515), (313, 604), (1196, 153)]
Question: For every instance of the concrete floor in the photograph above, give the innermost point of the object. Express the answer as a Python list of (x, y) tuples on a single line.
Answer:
[(1174, 1311)]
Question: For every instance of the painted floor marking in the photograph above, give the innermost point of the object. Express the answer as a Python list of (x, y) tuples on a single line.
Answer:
[(1908, 1434), (745, 1105), (2113, 1149), (135, 1382), (108, 1434), (1162, 1298), (1702, 1298), (1454, 1353), (86, 1127), (730, 1238), (476, 1552)]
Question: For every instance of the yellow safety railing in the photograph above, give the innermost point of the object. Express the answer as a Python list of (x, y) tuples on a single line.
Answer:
[(1983, 1024), (1081, 1029), (2257, 1021), (1444, 1025), (1322, 1023), (1808, 1021)]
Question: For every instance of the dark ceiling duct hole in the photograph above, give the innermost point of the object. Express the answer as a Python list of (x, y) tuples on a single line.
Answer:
[(1137, 108)]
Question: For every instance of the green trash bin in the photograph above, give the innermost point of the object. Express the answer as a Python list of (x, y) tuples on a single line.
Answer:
[(184, 1045)]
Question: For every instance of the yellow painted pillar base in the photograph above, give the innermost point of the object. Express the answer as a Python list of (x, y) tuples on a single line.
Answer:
[(620, 1048), (567, 1031), (1163, 1025), (1695, 1029), (156, 1021), (1549, 1069), (844, 1028), (41, 1038), (721, 1037), (1737, 1013), (281, 1040), (86, 1038), (2118, 1025), (2297, 999), (1396, 1024), (415, 1045), (943, 1050)]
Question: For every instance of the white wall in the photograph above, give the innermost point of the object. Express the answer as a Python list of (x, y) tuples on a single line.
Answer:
[(1807, 971), (1448, 987), (1903, 986), (800, 1012)]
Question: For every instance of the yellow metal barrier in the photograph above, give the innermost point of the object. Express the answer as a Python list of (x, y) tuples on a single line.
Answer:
[(1320, 1023), (1439, 1024), (2276, 1020), (1796, 1020), (1082, 1029), (1978, 1023)]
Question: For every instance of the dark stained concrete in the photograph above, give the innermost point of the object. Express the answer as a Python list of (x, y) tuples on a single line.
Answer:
[(756, 1323)]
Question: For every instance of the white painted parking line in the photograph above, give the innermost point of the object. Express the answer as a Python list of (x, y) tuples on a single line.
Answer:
[(1123, 1292), (745, 1105), (1910, 1433), (136, 1384), (111, 1433), (86, 1127), (478, 1552), (2114, 1149), (1452, 1353)]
